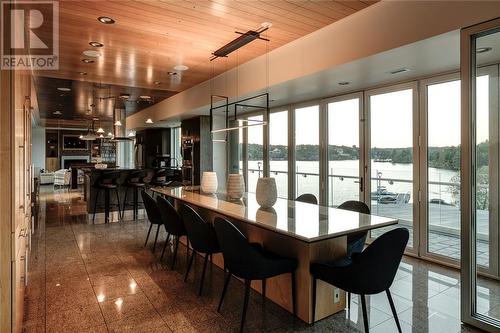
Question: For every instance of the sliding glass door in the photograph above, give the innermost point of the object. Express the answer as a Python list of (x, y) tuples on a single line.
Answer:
[(344, 149), (255, 153), (278, 150), (392, 159), (307, 150), (440, 237), (480, 176)]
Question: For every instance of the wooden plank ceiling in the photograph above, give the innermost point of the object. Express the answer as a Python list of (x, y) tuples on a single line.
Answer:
[(149, 38)]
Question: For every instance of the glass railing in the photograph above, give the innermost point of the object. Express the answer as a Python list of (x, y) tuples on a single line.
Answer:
[(393, 197)]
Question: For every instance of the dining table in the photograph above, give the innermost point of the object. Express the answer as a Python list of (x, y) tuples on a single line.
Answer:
[(307, 232)]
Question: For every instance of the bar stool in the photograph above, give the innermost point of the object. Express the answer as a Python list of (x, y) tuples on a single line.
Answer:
[(134, 182), (107, 181), (202, 237)]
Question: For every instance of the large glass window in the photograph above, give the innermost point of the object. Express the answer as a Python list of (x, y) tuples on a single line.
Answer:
[(343, 151), (391, 157), (255, 153), (307, 150), (278, 151), (443, 169)]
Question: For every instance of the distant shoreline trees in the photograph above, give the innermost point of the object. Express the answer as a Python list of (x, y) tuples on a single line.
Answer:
[(438, 157)]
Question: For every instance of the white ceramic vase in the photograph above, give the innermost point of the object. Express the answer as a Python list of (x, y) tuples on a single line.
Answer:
[(266, 193), (209, 182), (235, 186)]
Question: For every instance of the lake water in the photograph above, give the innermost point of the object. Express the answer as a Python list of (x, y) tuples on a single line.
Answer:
[(345, 188)]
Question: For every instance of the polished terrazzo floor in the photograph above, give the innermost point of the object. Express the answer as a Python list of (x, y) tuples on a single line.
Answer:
[(100, 278)]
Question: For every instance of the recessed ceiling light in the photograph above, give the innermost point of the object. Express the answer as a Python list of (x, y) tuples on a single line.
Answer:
[(57, 113), (483, 49), (171, 73), (64, 89), (88, 61), (124, 96), (181, 68), (96, 44), (399, 71), (82, 73), (266, 25), (145, 97), (157, 82), (149, 121), (343, 83), (105, 20), (92, 53)]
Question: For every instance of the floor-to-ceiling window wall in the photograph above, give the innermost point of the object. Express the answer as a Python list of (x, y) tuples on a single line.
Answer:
[(395, 147)]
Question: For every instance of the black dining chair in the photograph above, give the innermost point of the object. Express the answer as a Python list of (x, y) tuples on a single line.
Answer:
[(202, 237), (154, 215), (307, 198), (356, 241), (173, 225), (249, 261), (370, 272)]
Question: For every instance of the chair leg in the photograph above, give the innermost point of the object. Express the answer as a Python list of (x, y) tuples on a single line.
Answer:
[(245, 304), (294, 304), (314, 300), (95, 205), (348, 300), (106, 206), (393, 308), (149, 231), (226, 284), (189, 265), (263, 291), (118, 203), (203, 274), (156, 238), (365, 315), (124, 202), (165, 246), (175, 252)]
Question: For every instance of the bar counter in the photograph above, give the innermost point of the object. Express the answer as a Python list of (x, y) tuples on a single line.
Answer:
[(309, 233)]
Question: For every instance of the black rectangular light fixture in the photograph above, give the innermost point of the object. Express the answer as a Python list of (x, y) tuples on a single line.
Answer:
[(244, 39)]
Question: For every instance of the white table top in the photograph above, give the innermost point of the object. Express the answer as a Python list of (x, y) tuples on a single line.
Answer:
[(303, 221)]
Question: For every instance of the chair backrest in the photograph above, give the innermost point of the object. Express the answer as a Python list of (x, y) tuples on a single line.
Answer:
[(374, 269), (239, 256), (171, 219), (201, 234), (108, 177), (136, 176), (355, 242), (307, 198), (160, 173), (152, 209)]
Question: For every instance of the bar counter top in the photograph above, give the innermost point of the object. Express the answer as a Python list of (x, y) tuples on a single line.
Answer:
[(303, 221)]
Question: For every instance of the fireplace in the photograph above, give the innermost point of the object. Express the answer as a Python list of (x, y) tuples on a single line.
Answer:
[(68, 160)]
